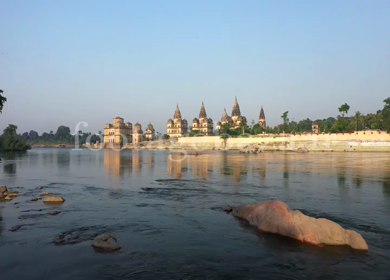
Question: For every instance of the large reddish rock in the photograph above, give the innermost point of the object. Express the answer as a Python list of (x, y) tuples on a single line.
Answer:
[(276, 217)]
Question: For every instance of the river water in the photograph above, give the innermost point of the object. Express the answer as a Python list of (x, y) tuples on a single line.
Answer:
[(174, 229)]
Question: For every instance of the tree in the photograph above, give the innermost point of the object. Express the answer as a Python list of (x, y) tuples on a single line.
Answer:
[(343, 109), (2, 101), (166, 136), (386, 114), (11, 141), (285, 121), (357, 121), (243, 126)]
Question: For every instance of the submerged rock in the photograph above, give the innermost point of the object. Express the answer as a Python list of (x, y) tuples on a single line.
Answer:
[(40, 188), (54, 212), (227, 208), (55, 199), (45, 193), (15, 228), (105, 242), (34, 199), (276, 217)]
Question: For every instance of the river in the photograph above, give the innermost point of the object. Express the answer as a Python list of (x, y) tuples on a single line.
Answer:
[(174, 229)]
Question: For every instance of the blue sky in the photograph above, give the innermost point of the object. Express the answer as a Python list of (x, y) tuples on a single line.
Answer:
[(62, 62)]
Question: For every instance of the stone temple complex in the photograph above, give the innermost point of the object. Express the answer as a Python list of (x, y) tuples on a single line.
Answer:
[(113, 132), (177, 127), (149, 132), (235, 119), (203, 124)]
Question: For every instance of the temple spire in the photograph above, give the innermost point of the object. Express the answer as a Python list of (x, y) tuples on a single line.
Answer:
[(177, 114), (202, 113), (236, 108)]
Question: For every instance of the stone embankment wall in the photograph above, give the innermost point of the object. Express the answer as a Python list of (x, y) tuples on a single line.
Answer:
[(356, 141)]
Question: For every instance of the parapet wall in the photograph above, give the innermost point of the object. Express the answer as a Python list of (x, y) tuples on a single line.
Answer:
[(356, 141)]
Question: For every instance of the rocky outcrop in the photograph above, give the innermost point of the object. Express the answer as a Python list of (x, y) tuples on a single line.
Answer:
[(251, 149), (53, 199), (276, 217), (45, 193), (105, 242)]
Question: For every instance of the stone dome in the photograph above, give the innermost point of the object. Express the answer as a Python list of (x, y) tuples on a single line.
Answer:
[(170, 121), (195, 120)]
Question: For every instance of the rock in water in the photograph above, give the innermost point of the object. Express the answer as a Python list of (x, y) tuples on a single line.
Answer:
[(13, 194), (45, 193), (55, 199), (105, 242), (3, 189), (276, 217), (8, 198), (40, 188), (15, 228), (54, 212), (34, 199), (227, 208)]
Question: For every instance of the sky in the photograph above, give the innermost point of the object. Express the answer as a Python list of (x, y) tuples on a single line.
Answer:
[(65, 61)]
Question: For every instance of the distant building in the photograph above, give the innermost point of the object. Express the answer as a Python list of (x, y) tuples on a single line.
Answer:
[(203, 124), (114, 133), (178, 126), (314, 127), (262, 122), (235, 120), (137, 134), (149, 132)]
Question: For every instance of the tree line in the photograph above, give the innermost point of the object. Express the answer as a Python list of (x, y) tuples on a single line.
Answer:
[(342, 123), (61, 136)]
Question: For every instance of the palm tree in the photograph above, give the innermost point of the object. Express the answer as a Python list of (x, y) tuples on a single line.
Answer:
[(357, 120)]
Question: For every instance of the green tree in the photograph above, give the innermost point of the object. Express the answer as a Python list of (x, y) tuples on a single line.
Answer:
[(386, 114), (11, 141), (2, 100), (166, 136), (357, 121), (343, 109), (244, 126), (285, 121)]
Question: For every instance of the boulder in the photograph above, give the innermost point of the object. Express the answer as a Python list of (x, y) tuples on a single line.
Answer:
[(276, 217), (40, 188), (55, 199), (13, 194), (45, 193), (5, 193), (227, 208), (3, 189), (34, 199), (105, 242), (8, 198)]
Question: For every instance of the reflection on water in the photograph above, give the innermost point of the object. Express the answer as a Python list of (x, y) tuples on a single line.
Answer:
[(169, 229)]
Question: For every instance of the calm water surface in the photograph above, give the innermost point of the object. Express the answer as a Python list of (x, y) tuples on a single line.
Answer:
[(174, 229)]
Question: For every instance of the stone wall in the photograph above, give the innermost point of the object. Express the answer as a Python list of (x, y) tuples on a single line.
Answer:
[(357, 141)]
